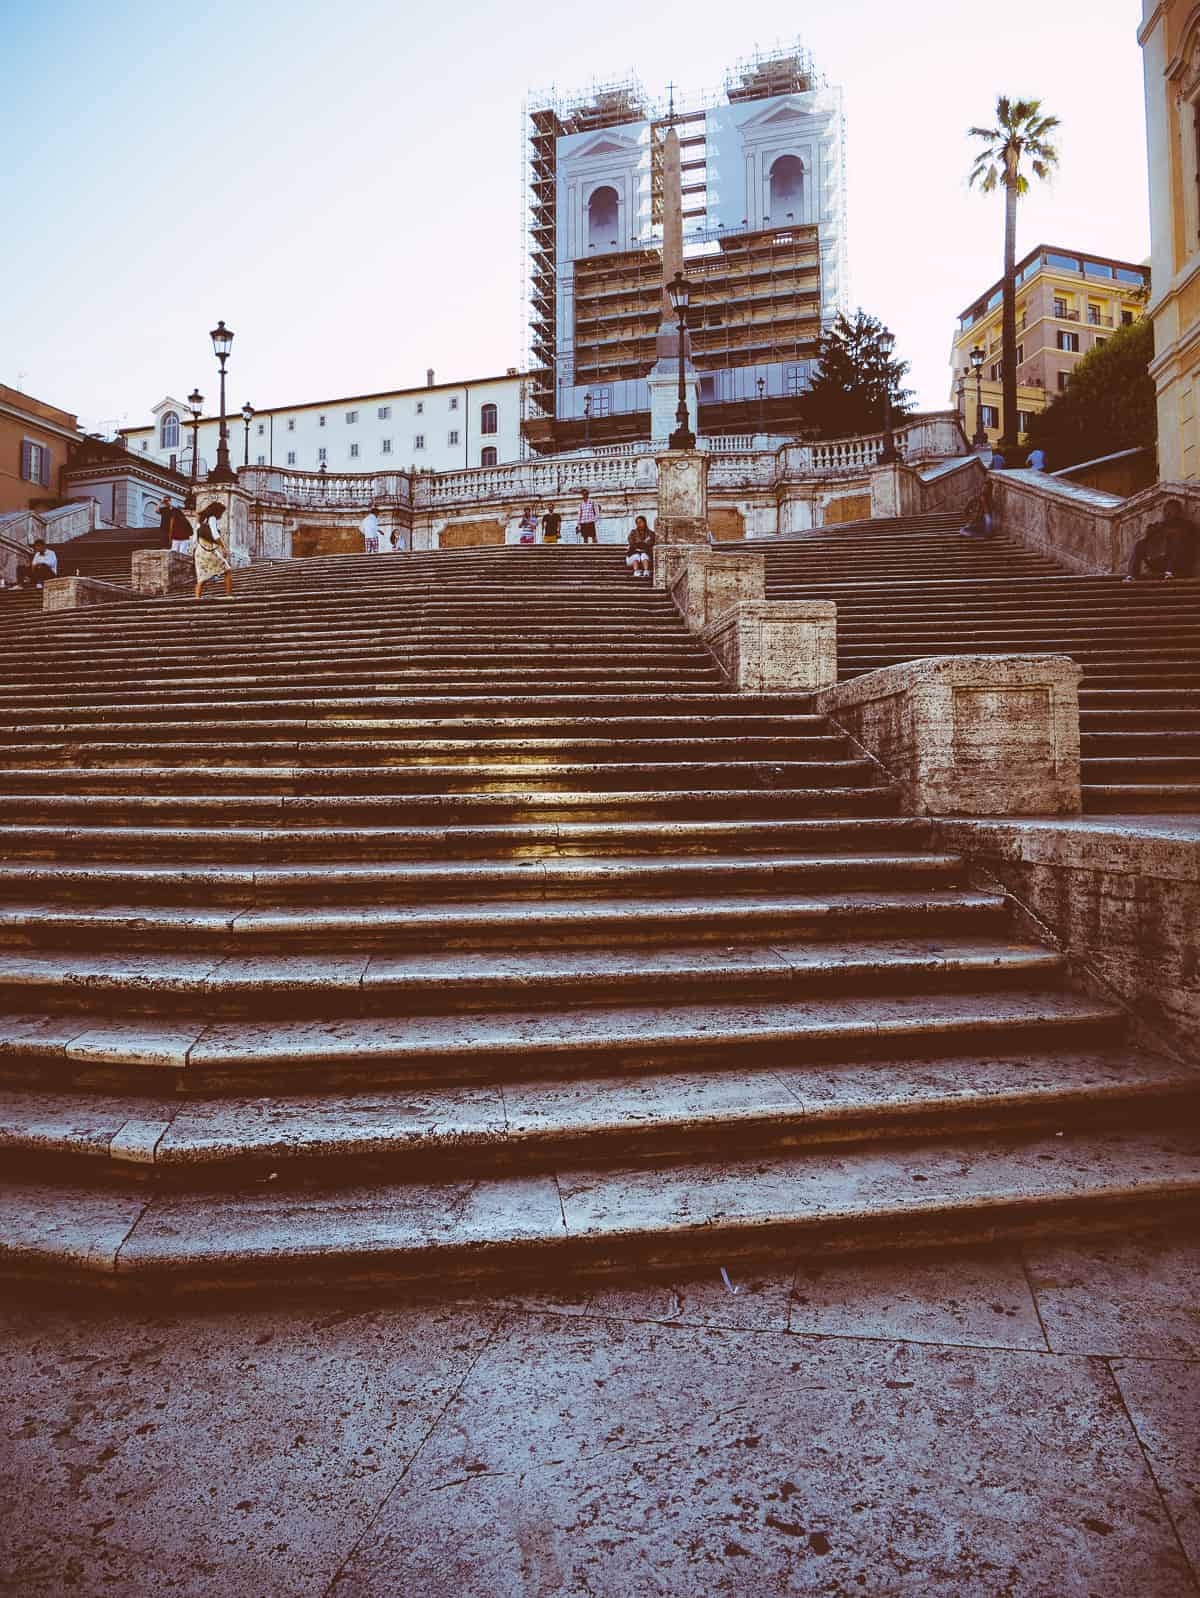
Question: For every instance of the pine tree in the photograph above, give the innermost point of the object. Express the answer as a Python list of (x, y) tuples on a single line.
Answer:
[(856, 370)]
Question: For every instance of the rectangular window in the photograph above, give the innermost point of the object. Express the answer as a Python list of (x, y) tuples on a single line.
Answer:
[(1093, 316), (795, 379), (1069, 263), (454, 402), (1068, 341), (990, 414), (1098, 342), (385, 447), (1126, 318), (291, 460), (452, 436), (1127, 274), (291, 424), (1063, 379), (262, 460), (1095, 269), (1060, 306), (1022, 421), (261, 429), (1020, 353), (354, 452), (320, 421), (420, 407), (35, 463), (419, 441), (995, 371), (384, 412), (601, 401), (320, 455), (351, 417)]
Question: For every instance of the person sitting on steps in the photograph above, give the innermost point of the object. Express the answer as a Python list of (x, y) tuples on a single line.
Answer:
[(45, 564), (980, 522), (212, 558), (640, 548), (1167, 548)]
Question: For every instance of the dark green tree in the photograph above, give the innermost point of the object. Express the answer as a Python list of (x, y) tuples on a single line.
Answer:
[(856, 369), (1021, 132), (1107, 405)]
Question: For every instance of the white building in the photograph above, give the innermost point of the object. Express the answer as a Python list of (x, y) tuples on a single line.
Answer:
[(442, 427)]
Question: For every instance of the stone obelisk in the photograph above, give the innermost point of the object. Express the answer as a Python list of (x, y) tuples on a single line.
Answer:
[(664, 374)]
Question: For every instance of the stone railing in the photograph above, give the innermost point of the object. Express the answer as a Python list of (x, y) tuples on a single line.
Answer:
[(56, 526), (274, 485)]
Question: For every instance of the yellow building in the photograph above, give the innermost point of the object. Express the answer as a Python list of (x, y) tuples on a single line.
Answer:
[(1170, 41), (1067, 304)]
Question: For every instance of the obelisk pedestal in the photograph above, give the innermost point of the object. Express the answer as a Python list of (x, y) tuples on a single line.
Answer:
[(663, 378)]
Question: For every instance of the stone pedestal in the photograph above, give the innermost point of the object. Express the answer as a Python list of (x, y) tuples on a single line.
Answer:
[(887, 494), (682, 516), (162, 571), (706, 584), (776, 645), (236, 523), (970, 735), (77, 593)]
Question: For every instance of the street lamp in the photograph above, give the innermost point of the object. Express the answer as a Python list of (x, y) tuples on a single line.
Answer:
[(222, 342), (682, 437), (195, 405), (761, 384), (587, 421), (888, 454), (980, 438), (247, 418)]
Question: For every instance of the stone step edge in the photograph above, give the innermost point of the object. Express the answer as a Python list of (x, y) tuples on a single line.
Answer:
[(558, 1224)]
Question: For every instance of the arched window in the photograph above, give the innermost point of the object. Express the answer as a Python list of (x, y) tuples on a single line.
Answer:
[(170, 430), (603, 216), (487, 457), (489, 419), (787, 190)]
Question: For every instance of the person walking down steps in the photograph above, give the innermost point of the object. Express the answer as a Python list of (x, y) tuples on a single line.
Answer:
[(212, 558)]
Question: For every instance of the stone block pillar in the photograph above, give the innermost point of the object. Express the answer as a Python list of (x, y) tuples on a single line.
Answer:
[(236, 524), (162, 571), (887, 490), (776, 645), (682, 516), (78, 593), (705, 583), (970, 735)]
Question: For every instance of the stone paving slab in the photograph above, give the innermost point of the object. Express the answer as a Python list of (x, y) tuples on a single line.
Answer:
[(1163, 1401), (1136, 1295)]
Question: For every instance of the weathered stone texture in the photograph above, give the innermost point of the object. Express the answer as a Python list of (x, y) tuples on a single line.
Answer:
[(776, 645), (706, 584), (1123, 897), (982, 735), (161, 571), (682, 497), (75, 593)]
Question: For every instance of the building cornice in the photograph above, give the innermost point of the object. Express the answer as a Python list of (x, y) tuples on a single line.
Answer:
[(329, 404), (1151, 22), (29, 419)]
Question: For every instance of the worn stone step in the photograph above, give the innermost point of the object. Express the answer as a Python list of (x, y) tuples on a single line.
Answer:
[(511, 1044), (1149, 798), (546, 1227), (440, 1131), (475, 923), (322, 984)]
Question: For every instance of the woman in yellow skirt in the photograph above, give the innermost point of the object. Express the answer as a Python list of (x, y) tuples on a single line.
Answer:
[(212, 558)]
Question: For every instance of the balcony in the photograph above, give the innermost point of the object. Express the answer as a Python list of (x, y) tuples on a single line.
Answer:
[(1099, 321), (1064, 315)]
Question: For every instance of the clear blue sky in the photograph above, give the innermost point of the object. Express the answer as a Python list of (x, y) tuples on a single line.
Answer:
[(342, 184)]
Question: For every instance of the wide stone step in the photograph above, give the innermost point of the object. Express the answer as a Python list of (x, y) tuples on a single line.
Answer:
[(554, 777), (1141, 797), (322, 984), (480, 1129), (83, 1049), (545, 1227), (450, 809), (334, 845), (405, 882)]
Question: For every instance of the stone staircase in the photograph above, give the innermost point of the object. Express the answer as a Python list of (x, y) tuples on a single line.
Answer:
[(915, 587), (107, 552), (438, 919)]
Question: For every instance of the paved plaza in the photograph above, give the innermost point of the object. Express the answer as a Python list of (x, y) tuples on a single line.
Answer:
[(1001, 1423)]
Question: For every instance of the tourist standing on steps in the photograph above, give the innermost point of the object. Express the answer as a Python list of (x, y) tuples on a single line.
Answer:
[(212, 558), (640, 549), (1037, 460), (165, 512), (586, 518), (551, 524), (369, 528), (527, 527)]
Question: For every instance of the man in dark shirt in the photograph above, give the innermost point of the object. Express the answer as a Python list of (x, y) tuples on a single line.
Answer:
[(551, 522)]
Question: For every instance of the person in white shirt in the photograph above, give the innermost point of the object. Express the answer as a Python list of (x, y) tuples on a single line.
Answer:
[(45, 563), (369, 528)]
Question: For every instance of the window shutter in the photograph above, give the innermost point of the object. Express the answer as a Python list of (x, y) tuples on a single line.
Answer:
[(44, 479), (27, 461)]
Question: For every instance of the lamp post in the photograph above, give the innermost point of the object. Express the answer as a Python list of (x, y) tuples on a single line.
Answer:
[(222, 342), (979, 438), (682, 437), (587, 421), (195, 405), (888, 454), (247, 418), (761, 384)]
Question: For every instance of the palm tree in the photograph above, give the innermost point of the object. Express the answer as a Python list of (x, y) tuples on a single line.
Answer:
[(1021, 130)]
